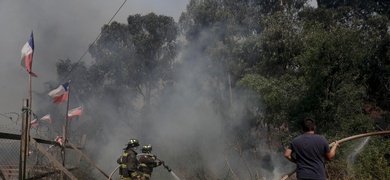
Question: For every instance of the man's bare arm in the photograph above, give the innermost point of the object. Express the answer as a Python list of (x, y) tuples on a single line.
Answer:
[(332, 153), (288, 155)]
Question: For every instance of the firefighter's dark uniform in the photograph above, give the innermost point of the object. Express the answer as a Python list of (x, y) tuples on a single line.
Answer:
[(147, 162), (128, 165)]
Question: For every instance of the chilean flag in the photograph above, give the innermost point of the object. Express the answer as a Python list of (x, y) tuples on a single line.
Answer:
[(75, 112), (34, 123), (27, 55), (46, 118), (60, 94)]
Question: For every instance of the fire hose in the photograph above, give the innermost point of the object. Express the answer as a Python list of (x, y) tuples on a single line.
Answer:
[(165, 166), (341, 141), (109, 178)]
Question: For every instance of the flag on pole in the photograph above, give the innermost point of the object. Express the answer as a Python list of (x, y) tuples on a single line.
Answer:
[(75, 112), (34, 123), (27, 55), (60, 94), (46, 118)]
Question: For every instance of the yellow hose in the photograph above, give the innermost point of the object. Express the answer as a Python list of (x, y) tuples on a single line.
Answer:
[(113, 172)]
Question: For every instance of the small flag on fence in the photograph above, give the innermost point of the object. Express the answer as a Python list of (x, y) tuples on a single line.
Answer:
[(34, 123), (46, 118)]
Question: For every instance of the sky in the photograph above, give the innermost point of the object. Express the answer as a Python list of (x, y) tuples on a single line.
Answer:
[(62, 30)]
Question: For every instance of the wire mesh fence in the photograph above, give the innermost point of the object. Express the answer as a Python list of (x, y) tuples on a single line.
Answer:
[(39, 161)]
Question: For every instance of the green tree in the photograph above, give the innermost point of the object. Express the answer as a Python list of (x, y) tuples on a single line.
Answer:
[(138, 56), (283, 59), (364, 8)]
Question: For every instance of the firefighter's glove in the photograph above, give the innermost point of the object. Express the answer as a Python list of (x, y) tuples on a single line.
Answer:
[(159, 163)]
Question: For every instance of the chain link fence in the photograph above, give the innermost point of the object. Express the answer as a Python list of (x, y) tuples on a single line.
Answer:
[(38, 165)]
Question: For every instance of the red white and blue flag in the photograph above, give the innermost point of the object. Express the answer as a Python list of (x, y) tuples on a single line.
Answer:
[(46, 118), (34, 123), (60, 94), (27, 55), (75, 112)]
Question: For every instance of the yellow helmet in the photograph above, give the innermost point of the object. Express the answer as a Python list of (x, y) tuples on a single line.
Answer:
[(133, 143), (147, 148)]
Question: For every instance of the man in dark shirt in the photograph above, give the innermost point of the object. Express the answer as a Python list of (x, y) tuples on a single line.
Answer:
[(310, 150)]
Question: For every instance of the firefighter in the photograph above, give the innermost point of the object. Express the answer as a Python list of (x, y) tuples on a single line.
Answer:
[(128, 169), (148, 161)]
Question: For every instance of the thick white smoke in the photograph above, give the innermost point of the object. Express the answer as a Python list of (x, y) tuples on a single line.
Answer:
[(62, 29)]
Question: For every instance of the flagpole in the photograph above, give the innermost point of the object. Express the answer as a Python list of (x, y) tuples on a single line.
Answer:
[(30, 108), (30, 113), (66, 125), (27, 56)]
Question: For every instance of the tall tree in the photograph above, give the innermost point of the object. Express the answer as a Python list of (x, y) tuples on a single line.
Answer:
[(138, 56)]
